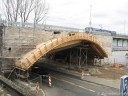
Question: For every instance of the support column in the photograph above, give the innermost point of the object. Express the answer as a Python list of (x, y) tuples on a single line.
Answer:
[(80, 58), (83, 56), (70, 58), (86, 57), (1, 47)]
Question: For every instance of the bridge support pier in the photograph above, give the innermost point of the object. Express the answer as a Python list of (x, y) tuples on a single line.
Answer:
[(21, 74), (83, 56)]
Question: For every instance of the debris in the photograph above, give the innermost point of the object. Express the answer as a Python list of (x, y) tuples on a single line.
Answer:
[(87, 74), (106, 68), (94, 71), (9, 95), (1, 92), (117, 66)]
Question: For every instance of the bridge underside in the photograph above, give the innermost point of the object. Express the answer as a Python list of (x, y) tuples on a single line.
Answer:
[(77, 46), (73, 48), (80, 53)]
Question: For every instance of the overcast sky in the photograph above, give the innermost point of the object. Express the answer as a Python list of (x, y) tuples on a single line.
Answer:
[(111, 14)]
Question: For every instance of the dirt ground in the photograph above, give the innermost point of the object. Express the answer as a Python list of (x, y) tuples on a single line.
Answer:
[(108, 71)]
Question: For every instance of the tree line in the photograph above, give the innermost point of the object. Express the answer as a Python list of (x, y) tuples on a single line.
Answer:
[(24, 10)]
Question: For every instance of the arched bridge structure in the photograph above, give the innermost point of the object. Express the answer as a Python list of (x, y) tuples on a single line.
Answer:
[(26, 61)]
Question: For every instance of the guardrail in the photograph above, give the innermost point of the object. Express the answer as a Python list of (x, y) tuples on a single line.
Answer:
[(20, 89), (120, 48), (42, 26)]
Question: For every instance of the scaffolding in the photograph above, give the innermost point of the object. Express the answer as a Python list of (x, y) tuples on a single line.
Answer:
[(1, 46), (83, 56), (78, 56)]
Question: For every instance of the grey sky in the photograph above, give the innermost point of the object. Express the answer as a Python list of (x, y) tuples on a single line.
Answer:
[(112, 14)]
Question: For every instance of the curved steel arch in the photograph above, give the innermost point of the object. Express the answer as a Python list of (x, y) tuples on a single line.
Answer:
[(30, 58)]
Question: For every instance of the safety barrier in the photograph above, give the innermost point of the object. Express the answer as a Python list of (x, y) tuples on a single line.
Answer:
[(20, 89), (49, 80)]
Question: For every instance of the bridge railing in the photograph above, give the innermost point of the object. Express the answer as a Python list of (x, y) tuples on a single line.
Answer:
[(120, 48), (42, 26)]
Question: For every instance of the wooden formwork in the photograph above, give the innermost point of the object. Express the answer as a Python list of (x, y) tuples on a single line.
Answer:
[(30, 58)]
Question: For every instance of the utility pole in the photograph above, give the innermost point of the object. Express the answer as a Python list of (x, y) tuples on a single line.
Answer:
[(90, 22), (124, 26), (101, 26)]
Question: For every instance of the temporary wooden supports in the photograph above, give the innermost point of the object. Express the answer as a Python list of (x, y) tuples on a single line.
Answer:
[(30, 58)]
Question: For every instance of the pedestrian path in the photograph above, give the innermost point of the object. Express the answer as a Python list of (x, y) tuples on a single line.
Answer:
[(106, 82), (102, 81)]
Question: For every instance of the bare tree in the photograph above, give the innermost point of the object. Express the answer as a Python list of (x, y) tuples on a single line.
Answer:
[(40, 11), (11, 9), (25, 10)]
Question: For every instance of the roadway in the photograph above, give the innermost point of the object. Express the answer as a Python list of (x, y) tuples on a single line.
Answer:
[(65, 85)]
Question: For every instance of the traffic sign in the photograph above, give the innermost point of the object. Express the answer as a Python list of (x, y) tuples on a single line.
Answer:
[(124, 86)]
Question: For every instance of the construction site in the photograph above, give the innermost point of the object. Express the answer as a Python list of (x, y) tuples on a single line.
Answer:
[(78, 49), (52, 46)]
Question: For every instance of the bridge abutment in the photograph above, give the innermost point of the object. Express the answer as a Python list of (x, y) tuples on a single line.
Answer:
[(19, 41)]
